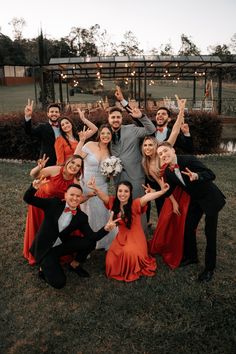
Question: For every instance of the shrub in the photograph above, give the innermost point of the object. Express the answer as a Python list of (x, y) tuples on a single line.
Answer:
[(14, 143)]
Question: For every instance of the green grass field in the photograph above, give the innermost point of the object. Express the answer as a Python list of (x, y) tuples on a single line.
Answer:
[(14, 98), (168, 314)]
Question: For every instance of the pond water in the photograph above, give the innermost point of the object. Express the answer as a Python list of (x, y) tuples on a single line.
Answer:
[(228, 145)]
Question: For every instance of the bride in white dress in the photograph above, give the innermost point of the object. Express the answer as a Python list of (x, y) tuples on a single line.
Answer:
[(93, 153)]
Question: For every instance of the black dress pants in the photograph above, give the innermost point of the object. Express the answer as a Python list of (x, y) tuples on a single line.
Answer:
[(193, 218), (51, 266)]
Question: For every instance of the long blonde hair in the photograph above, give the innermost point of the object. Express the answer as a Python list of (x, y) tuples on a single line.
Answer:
[(146, 160)]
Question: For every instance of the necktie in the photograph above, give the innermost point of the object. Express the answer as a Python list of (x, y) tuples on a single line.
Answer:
[(116, 137), (172, 167), (73, 211), (160, 129)]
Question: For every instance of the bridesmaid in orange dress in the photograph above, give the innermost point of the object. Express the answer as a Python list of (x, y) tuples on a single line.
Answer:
[(66, 143), (127, 258), (59, 178), (168, 237)]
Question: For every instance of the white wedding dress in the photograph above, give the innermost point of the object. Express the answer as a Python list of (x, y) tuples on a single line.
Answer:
[(97, 213)]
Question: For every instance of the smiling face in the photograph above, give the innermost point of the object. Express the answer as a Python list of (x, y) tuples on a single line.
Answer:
[(53, 114), (115, 120), (73, 166), (73, 197), (105, 136), (123, 194), (149, 147), (162, 118), (66, 125), (166, 154)]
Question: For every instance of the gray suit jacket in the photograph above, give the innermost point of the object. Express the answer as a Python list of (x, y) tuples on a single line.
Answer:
[(128, 150)]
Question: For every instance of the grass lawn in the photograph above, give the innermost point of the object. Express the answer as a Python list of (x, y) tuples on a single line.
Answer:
[(169, 313), (14, 98)]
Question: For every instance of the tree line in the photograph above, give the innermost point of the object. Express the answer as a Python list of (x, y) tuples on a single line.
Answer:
[(92, 41)]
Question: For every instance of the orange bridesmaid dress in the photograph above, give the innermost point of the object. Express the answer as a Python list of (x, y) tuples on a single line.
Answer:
[(56, 187), (127, 258), (168, 238), (63, 150)]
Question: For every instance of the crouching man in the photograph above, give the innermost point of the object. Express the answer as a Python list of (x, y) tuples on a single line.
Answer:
[(54, 239)]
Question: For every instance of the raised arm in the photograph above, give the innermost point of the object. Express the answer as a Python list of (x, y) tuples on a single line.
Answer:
[(102, 195), (179, 121), (151, 194), (41, 170), (92, 129), (82, 138)]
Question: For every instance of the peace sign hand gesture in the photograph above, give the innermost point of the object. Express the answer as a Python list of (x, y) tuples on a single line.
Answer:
[(111, 224), (38, 182), (83, 134), (193, 176), (148, 189), (42, 162), (92, 184), (29, 108)]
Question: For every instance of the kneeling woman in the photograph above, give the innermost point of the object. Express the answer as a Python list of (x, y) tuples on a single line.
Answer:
[(127, 258)]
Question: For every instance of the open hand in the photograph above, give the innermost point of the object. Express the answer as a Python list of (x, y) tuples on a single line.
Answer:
[(134, 112)]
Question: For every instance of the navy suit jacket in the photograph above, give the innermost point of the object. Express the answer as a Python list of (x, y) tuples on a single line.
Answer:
[(49, 232), (204, 191), (44, 132)]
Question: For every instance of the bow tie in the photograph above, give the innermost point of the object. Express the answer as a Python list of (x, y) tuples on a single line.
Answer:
[(55, 125), (160, 129), (73, 211), (172, 167)]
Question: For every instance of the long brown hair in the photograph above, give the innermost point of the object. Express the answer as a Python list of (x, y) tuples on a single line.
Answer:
[(81, 171), (99, 133), (146, 160), (74, 130)]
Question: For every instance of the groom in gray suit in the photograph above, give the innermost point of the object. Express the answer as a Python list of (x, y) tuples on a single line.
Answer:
[(126, 145)]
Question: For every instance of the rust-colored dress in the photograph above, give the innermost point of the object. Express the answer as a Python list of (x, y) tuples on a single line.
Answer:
[(63, 150), (56, 187), (127, 258), (168, 238)]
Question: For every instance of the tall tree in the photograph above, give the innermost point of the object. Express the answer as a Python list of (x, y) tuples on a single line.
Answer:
[(83, 41), (233, 43), (130, 45), (188, 47), (18, 25)]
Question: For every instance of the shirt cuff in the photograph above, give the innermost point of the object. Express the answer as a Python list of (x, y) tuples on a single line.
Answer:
[(187, 134), (27, 118), (124, 103)]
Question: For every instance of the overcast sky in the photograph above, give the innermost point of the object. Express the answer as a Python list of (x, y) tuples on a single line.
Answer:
[(206, 22)]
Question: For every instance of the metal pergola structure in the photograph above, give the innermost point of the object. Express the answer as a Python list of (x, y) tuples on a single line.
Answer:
[(142, 69)]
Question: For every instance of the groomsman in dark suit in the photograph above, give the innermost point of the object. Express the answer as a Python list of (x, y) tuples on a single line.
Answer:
[(54, 239), (183, 144), (206, 198), (45, 132)]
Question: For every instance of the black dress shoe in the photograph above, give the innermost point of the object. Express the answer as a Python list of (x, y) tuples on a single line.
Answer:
[(41, 274), (189, 261), (79, 271), (205, 276)]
